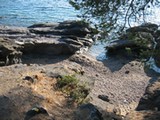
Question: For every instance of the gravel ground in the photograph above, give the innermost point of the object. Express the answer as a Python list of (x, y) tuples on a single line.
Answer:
[(123, 81)]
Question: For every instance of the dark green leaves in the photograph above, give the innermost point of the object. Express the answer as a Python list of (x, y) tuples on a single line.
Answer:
[(113, 15)]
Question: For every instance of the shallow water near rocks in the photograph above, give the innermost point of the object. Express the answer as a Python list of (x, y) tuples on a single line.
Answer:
[(98, 51), (28, 12), (151, 63)]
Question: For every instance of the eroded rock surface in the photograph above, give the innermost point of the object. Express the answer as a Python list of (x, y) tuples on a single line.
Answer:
[(46, 39), (151, 98), (9, 52), (88, 112), (157, 51), (138, 42)]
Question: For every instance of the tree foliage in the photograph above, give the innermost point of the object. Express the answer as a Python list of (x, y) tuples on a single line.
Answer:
[(114, 15)]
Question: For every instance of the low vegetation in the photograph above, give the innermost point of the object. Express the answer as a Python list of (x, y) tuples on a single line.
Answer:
[(71, 86)]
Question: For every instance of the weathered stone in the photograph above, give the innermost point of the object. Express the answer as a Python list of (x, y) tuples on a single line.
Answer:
[(104, 98), (78, 28), (151, 98), (42, 117), (34, 112), (138, 42), (157, 57), (157, 52), (88, 112), (28, 78), (45, 39), (9, 52), (14, 31), (146, 27), (149, 107), (119, 47)]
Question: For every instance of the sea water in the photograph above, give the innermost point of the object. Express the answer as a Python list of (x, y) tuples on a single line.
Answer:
[(28, 12)]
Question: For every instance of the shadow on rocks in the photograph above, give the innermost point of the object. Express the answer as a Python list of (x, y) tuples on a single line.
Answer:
[(90, 112), (115, 63), (153, 74), (151, 98), (15, 104), (43, 59), (38, 113)]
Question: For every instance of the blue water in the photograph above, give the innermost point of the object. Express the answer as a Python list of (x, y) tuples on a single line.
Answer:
[(28, 12)]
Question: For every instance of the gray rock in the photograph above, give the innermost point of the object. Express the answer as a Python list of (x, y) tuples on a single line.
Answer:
[(37, 113), (137, 42), (76, 28), (45, 39), (88, 112), (157, 49), (157, 55), (9, 52), (104, 98), (151, 98), (146, 27)]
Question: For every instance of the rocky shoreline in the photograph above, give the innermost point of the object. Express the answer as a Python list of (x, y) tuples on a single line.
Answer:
[(139, 42), (39, 56), (44, 39)]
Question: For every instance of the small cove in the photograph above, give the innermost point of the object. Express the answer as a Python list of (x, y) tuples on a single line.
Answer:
[(26, 13)]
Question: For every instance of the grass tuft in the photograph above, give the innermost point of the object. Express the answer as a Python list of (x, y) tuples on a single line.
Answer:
[(69, 85)]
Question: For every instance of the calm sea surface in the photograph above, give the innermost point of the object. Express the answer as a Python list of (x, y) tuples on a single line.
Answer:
[(28, 12)]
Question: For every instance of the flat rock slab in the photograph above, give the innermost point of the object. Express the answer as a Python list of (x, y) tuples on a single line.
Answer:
[(65, 37)]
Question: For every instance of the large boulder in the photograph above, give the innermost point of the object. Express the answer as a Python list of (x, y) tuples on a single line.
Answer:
[(9, 52), (157, 49), (88, 112), (59, 38), (137, 41), (157, 56), (53, 45), (146, 27), (151, 98)]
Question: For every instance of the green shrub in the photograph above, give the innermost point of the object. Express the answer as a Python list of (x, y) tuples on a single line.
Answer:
[(66, 80), (69, 85)]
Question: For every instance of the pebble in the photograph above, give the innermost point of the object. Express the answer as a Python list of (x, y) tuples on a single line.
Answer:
[(34, 111), (127, 72), (104, 98), (28, 78)]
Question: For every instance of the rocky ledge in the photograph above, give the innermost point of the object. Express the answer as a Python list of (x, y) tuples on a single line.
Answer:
[(139, 42), (44, 39)]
